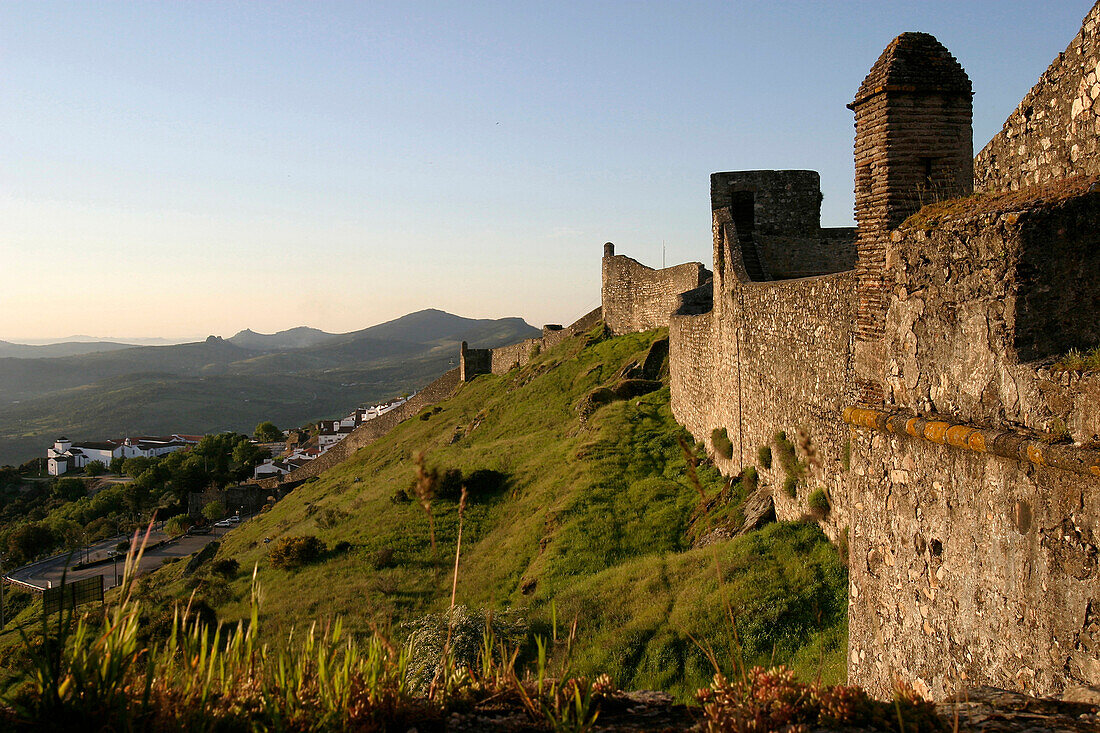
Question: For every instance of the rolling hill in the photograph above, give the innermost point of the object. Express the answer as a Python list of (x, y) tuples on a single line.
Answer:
[(220, 384), (64, 348)]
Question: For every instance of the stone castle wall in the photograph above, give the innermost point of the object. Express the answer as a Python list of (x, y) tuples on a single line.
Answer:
[(638, 298), (1055, 131), (505, 358), (919, 388), (993, 541), (833, 250), (770, 357), (981, 292), (968, 568), (371, 430)]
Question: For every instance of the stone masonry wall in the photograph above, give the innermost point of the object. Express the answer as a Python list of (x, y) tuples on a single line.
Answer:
[(770, 357), (970, 569), (372, 430), (638, 298), (833, 250), (978, 290), (1055, 131), (506, 358), (472, 362)]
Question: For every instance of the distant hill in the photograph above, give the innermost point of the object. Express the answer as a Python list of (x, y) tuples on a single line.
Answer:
[(221, 384), (65, 348), (292, 338)]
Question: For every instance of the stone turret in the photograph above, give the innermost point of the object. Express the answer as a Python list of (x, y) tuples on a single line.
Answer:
[(914, 146)]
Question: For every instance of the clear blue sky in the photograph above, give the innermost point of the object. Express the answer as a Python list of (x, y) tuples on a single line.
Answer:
[(190, 168)]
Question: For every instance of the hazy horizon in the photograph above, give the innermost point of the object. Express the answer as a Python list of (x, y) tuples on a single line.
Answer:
[(182, 168), (168, 341)]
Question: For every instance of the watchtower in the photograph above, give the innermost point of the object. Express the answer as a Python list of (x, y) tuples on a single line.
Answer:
[(914, 145)]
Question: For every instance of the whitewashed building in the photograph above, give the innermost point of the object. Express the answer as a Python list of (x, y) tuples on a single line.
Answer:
[(65, 456)]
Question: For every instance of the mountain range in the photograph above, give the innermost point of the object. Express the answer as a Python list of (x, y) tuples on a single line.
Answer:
[(290, 377)]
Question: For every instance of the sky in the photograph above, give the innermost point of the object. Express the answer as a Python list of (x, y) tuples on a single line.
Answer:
[(184, 169)]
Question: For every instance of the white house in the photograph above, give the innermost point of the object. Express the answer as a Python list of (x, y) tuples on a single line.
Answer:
[(65, 456)]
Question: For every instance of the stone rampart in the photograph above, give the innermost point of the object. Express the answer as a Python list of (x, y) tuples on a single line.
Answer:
[(637, 298), (509, 357), (506, 358), (980, 291), (472, 362), (371, 430), (988, 519), (832, 250), (970, 568), (1055, 131), (771, 357)]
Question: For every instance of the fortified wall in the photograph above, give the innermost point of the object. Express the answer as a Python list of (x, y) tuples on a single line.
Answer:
[(370, 431), (910, 366), (473, 362), (1055, 132)]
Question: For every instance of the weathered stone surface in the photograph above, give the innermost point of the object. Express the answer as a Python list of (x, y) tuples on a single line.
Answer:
[(991, 710), (1055, 131), (640, 298), (759, 510)]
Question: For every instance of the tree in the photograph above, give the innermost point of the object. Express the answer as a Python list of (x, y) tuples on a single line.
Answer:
[(28, 541), (70, 489), (134, 467), (95, 468), (116, 464), (177, 525), (214, 510), (266, 432)]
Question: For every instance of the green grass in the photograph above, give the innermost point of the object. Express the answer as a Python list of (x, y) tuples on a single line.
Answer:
[(588, 520), (720, 439), (1079, 361)]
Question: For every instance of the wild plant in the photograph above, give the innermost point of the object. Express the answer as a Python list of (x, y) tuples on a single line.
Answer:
[(98, 675)]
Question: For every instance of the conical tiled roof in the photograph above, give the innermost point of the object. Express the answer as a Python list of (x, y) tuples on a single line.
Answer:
[(914, 62)]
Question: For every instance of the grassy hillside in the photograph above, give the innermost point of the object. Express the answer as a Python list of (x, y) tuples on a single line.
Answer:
[(588, 520)]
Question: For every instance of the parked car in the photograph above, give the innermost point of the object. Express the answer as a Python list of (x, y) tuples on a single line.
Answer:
[(228, 522)]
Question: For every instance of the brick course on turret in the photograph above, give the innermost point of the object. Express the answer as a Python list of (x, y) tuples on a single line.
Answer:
[(913, 146)]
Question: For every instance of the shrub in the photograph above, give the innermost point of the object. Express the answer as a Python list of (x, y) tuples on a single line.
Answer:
[(177, 525), (214, 510), (383, 558), (95, 468), (793, 468), (468, 632), (226, 567), (764, 456), (771, 699), (750, 479), (331, 518), (426, 415), (790, 485), (818, 501), (293, 552), (721, 442), (1078, 361)]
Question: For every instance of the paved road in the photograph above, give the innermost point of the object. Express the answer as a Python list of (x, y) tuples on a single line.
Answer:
[(47, 573)]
